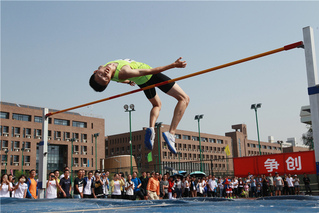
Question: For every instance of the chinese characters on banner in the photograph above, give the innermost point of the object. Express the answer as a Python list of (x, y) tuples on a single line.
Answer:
[(285, 163)]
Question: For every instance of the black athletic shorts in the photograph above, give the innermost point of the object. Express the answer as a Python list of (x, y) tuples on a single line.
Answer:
[(155, 79)]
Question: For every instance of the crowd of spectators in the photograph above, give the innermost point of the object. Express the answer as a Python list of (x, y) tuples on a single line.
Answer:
[(150, 186)]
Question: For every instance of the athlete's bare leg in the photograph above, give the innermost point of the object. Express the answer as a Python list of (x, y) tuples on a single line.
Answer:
[(156, 103), (183, 100)]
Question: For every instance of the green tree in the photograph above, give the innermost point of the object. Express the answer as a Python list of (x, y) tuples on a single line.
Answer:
[(307, 137)]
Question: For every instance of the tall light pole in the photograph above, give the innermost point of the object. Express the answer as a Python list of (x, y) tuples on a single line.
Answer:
[(72, 140), (198, 117), (95, 136), (179, 160), (255, 107), (130, 122), (22, 149), (5, 170), (158, 125)]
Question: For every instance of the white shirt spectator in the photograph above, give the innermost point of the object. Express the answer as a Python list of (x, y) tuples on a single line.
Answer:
[(289, 181), (296, 181), (186, 185), (129, 191), (19, 192), (11, 185), (117, 188), (212, 184), (51, 191), (87, 189), (4, 191), (178, 184), (235, 184)]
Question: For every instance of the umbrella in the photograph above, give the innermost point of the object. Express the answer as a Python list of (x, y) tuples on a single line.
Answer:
[(182, 172), (171, 169), (177, 174), (198, 174)]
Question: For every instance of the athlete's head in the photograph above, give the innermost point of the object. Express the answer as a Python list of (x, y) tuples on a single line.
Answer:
[(101, 77)]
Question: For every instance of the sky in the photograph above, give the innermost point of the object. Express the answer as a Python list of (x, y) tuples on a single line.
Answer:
[(49, 49)]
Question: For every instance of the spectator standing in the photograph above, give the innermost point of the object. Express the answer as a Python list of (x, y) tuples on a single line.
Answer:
[(21, 188), (270, 180), (290, 183), (87, 185), (32, 191), (78, 185), (235, 187), (296, 182), (186, 185), (265, 186), (221, 187), (137, 190), (278, 184), (11, 182), (193, 186), (212, 185), (65, 183), (171, 185), (97, 186), (240, 185), (129, 188), (116, 185), (57, 175), (165, 185), (121, 175), (246, 189), (144, 180), (5, 187), (64, 169), (105, 181), (200, 187), (178, 187), (253, 186), (306, 181), (52, 185), (153, 187)]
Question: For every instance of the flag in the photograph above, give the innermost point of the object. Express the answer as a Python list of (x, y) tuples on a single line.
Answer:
[(227, 151), (149, 157)]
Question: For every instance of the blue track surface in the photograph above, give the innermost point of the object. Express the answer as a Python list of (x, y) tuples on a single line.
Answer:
[(273, 204)]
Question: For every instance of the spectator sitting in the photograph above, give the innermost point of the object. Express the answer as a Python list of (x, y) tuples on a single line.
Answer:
[(21, 187)]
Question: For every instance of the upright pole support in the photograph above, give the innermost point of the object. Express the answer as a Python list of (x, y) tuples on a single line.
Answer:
[(257, 130), (313, 86), (43, 155)]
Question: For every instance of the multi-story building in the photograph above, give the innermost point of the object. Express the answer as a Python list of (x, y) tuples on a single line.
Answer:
[(21, 131), (214, 158), (187, 146)]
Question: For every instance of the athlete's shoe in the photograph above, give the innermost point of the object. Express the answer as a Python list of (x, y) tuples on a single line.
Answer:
[(170, 141), (149, 138)]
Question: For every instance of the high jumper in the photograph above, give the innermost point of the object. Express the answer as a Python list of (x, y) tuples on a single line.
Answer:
[(131, 72)]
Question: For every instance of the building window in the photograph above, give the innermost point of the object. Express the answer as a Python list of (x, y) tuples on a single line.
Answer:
[(4, 115), (186, 137), (220, 141), (21, 117), (5, 144), (79, 124), (37, 119), (211, 140), (178, 136), (195, 138), (61, 122), (27, 159)]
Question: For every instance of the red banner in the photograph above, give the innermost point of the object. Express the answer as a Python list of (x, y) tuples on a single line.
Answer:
[(285, 163)]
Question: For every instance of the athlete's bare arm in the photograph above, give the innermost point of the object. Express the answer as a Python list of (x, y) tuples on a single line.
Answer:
[(128, 72)]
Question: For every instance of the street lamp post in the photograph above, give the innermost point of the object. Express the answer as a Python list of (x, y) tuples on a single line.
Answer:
[(5, 170), (198, 117), (179, 160), (158, 125), (72, 140), (22, 150), (255, 107), (95, 136), (130, 122)]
